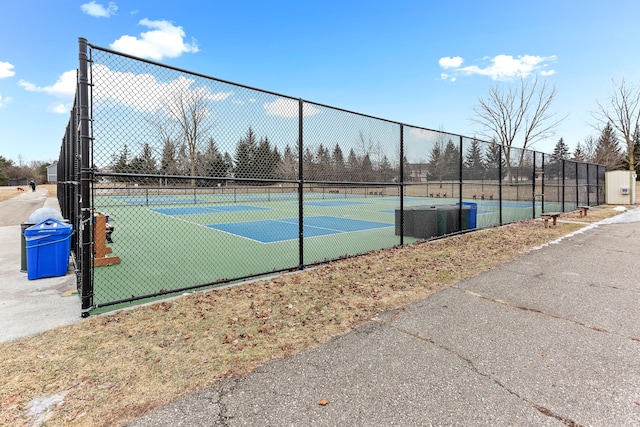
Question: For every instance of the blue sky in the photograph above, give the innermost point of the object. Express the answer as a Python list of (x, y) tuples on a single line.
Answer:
[(418, 62)]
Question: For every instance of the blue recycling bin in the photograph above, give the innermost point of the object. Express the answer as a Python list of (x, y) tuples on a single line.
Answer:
[(473, 213), (48, 246)]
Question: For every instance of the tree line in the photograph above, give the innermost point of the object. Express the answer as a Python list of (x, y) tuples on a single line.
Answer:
[(258, 159), (22, 172), (254, 159)]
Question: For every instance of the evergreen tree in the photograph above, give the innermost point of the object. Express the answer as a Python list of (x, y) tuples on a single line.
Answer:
[(308, 164), (436, 162), (337, 161), (5, 164), (274, 162), (266, 160), (607, 150), (144, 163), (473, 162), (323, 163), (451, 160), (636, 148), (168, 162), (211, 163), (288, 167), (353, 166), (121, 164), (494, 163), (366, 170), (245, 159), (561, 150), (386, 170)]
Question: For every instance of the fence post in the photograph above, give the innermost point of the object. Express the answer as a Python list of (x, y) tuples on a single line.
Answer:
[(533, 186), (544, 178), (577, 172), (588, 186), (460, 166), (564, 184), (401, 184), (85, 181), (501, 152), (300, 188)]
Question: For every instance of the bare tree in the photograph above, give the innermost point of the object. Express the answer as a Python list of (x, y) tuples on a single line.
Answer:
[(517, 114), (189, 108), (622, 111)]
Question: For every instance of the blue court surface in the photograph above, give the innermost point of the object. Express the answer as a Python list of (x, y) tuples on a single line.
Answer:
[(333, 203), (159, 200), (205, 209), (277, 230)]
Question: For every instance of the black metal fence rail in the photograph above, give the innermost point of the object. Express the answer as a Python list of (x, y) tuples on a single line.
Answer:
[(171, 157)]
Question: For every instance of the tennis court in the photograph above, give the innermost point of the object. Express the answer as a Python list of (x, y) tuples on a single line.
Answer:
[(188, 240)]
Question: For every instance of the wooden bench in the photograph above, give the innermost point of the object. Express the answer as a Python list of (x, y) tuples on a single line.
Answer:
[(438, 194), (550, 215), (583, 210), (483, 195)]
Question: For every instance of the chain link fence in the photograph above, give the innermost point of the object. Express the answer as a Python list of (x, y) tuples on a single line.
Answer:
[(178, 181)]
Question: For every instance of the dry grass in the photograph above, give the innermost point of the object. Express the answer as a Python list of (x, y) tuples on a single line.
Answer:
[(7, 193), (113, 368)]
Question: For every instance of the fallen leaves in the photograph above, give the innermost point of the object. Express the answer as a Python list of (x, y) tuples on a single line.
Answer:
[(173, 348)]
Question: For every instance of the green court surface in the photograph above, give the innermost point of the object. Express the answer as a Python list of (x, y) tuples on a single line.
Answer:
[(171, 243)]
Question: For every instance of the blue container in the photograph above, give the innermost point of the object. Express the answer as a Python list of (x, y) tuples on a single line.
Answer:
[(48, 246), (473, 213)]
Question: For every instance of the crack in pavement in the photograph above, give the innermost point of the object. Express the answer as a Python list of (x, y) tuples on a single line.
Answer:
[(223, 418), (533, 310), (545, 411)]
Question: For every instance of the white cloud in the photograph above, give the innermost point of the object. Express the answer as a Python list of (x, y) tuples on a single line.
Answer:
[(164, 40), (445, 76), (449, 62), (289, 108), (4, 101), (502, 67), (151, 94), (63, 88), (59, 108), (6, 70), (99, 11)]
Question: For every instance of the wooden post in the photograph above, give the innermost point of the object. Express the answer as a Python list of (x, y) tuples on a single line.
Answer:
[(100, 248)]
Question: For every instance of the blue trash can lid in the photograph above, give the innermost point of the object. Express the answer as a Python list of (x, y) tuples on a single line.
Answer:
[(48, 227)]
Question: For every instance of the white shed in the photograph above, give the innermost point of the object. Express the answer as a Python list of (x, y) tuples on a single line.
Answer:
[(620, 187), (52, 173)]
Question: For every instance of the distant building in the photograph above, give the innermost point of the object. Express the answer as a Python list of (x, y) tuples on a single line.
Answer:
[(52, 173), (18, 182)]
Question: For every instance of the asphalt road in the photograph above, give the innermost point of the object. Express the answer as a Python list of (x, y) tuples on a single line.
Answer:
[(549, 339)]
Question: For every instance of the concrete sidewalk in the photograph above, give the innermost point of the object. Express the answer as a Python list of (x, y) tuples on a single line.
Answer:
[(28, 307), (552, 338)]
